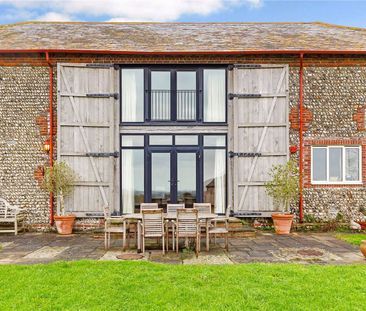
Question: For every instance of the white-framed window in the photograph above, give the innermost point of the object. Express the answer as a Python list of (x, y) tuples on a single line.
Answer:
[(336, 165)]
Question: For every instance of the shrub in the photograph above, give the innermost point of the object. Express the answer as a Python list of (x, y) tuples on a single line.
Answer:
[(284, 184), (59, 180)]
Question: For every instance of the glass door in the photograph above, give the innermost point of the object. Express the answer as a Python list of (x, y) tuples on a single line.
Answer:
[(161, 181), (173, 176), (186, 189)]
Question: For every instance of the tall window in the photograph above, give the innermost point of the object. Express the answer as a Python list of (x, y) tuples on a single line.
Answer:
[(182, 94), (132, 95), (160, 96), (214, 171), (132, 167), (336, 164), (214, 95), (186, 95)]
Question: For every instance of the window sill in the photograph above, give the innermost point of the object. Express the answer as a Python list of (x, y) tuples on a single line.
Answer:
[(335, 185)]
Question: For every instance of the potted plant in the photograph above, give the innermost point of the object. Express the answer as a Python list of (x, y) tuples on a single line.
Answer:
[(363, 247), (362, 223), (284, 189), (60, 180)]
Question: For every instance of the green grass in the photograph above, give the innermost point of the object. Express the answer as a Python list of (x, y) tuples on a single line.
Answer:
[(352, 238), (92, 285)]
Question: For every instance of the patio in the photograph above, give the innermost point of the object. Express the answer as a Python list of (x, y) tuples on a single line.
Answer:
[(320, 248)]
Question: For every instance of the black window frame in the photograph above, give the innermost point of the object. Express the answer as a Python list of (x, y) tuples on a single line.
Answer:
[(200, 164), (173, 69)]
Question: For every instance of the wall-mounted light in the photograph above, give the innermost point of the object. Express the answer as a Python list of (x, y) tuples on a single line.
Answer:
[(293, 149), (46, 146)]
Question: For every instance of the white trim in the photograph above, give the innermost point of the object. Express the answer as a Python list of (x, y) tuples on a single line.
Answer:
[(343, 182)]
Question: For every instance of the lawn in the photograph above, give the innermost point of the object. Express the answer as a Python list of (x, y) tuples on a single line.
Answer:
[(92, 285), (353, 238)]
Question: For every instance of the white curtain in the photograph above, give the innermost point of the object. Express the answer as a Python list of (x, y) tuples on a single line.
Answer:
[(132, 94), (128, 195), (220, 172), (214, 95)]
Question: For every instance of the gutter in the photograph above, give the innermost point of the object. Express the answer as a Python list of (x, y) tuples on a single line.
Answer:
[(299, 53), (243, 52)]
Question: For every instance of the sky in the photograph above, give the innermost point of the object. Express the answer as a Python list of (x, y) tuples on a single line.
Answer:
[(341, 12)]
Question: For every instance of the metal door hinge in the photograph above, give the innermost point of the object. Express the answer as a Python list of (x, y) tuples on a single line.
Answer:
[(244, 66), (103, 95), (244, 154), (233, 95), (247, 214), (103, 154), (94, 214)]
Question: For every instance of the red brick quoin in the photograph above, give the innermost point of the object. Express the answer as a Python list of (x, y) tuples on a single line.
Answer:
[(42, 122), (359, 118), (294, 118), (39, 173), (326, 142)]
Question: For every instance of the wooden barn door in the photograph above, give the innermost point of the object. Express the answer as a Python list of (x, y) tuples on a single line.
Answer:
[(258, 132), (88, 135)]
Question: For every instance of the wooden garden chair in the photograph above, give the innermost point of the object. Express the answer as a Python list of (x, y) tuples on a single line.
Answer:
[(203, 208), (148, 206), (170, 224), (187, 226), (214, 229), (114, 225), (152, 226)]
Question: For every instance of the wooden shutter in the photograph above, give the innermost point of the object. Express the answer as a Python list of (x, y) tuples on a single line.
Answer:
[(259, 133), (88, 135)]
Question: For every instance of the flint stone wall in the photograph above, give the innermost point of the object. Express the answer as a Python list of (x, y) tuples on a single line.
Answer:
[(332, 95), (24, 96)]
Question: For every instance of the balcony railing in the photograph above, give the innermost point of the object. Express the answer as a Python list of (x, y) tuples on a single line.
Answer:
[(186, 105)]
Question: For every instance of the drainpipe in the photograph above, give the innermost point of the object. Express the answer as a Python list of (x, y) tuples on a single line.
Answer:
[(51, 131), (301, 72)]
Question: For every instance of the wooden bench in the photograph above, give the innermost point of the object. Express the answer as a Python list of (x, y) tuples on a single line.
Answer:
[(11, 214)]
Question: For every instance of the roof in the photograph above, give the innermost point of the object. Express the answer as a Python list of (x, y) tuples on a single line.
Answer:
[(182, 37)]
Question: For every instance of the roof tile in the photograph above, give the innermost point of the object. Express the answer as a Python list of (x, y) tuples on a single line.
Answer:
[(178, 37)]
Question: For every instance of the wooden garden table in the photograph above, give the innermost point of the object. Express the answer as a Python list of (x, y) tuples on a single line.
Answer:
[(167, 216)]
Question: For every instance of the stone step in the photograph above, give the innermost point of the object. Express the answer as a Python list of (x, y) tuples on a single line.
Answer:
[(242, 232), (236, 223), (238, 229)]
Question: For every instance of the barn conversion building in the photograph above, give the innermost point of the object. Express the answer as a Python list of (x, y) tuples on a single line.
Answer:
[(183, 112)]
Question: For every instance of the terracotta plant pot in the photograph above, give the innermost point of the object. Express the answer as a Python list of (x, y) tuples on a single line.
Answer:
[(363, 247), (64, 224), (362, 224), (282, 223)]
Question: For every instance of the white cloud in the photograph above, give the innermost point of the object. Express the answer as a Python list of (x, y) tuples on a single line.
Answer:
[(124, 10), (54, 17)]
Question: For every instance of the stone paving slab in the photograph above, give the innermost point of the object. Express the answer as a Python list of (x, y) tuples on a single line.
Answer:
[(6, 244), (46, 252), (208, 259), (111, 255), (31, 248), (168, 258)]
